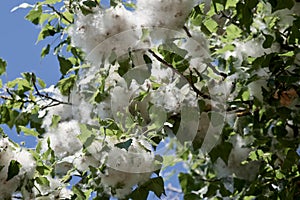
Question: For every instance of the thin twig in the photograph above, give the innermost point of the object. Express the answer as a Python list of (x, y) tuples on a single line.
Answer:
[(198, 92), (187, 31), (59, 14), (12, 97), (46, 96)]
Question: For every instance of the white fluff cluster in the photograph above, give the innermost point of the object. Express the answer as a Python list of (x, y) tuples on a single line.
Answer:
[(125, 169), (252, 48), (169, 14), (172, 93), (101, 35), (72, 107), (9, 152), (171, 98), (63, 138), (55, 190), (120, 184), (197, 48), (238, 154), (117, 29), (91, 30)]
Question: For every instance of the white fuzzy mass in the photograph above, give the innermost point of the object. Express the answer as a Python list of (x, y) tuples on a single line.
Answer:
[(63, 139), (8, 153), (117, 29)]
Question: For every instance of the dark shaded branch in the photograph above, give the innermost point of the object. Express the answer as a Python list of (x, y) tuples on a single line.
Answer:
[(58, 13), (54, 102), (11, 97), (196, 90), (187, 31)]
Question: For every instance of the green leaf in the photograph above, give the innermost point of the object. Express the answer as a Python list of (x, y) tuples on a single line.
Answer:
[(34, 15), (291, 159), (268, 42), (41, 83), (47, 30), (23, 85), (28, 131), (211, 25), (221, 151), (205, 30), (233, 32), (79, 193), (114, 3), (155, 185), (65, 65), (86, 136), (52, 1), (3, 65), (125, 65), (65, 85), (55, 121), (281, 4), (228, 47), (90, 4), (124, 145), (13, 169), (42, 181), (45, 51), (187, 183), (85, 11), (68, 17), (245, 14)]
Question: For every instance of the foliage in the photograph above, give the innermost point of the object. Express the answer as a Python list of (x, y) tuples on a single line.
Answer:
[(215, 82)]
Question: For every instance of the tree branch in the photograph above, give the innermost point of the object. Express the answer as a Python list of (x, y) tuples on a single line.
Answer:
[(187, 31), (46, 96), (59, 14), (196, 90)]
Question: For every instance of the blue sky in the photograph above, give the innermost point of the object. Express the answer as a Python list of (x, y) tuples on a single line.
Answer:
[(18, 47)]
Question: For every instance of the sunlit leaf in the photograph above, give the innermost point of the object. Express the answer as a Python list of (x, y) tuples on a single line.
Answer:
[(28, 131), (34, 15), (3, 65), (45, 51)]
